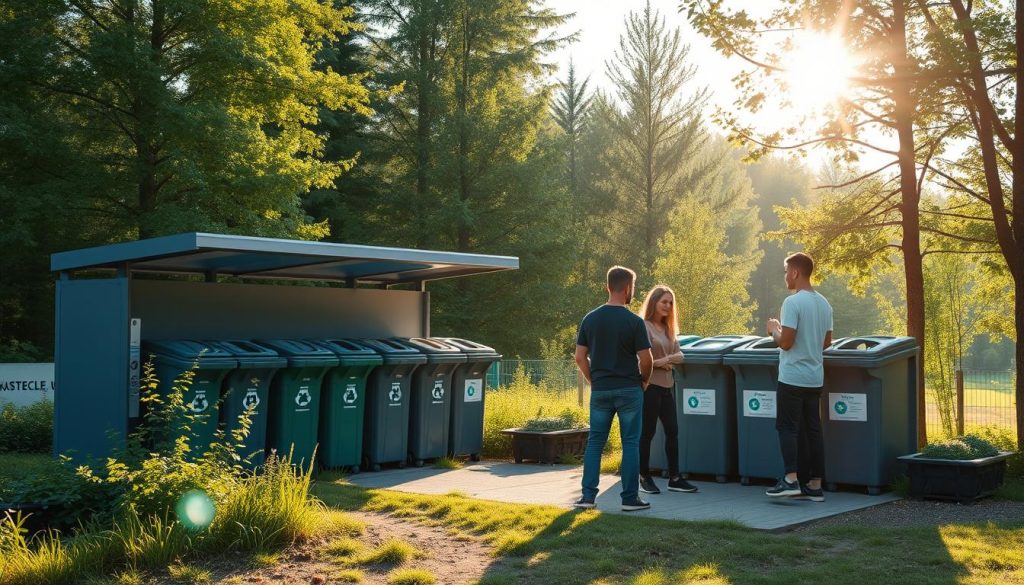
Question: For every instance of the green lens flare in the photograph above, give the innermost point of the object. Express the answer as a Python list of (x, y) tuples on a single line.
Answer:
[(195, 510)]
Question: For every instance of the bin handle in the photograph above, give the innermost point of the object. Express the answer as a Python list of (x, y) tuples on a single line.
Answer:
[(857, 343)]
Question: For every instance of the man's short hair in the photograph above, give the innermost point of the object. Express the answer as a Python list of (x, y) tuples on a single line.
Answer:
[(802, 262), (619, 277)]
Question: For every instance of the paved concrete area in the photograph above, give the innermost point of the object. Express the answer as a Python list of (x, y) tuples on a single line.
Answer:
[(559, 485)]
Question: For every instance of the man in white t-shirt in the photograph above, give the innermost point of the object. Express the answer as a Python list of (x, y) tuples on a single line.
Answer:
[(805, 330)]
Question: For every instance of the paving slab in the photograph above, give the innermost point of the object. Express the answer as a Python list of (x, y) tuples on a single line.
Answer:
[(559, 485)]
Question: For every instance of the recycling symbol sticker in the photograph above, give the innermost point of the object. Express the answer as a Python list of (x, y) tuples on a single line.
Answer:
[(303, 398), (396, 392), (754, 404), (251, 399), (840, 407), (438, 391), (351, 395), (473, 390), (199, 403), (693, 402)]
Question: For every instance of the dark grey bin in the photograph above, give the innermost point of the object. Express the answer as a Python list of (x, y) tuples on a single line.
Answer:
[(869, 409), (756, 366), (466, 432), (431, 398), (706, 407), (386, 428)]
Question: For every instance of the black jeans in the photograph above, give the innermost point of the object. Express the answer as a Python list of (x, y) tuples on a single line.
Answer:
[(659, 403), (798, 420)]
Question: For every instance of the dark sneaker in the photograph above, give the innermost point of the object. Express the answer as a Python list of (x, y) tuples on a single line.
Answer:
[(648, 486), (584, 503), (634, 505), (784, 489), (681, 485), (807, 493)]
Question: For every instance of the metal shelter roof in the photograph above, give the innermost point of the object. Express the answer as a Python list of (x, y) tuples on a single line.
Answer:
[(244, 256)]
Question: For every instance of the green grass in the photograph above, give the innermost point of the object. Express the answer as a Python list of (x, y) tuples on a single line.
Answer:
[(548, 545), (19, 466), (411, 577), (189, 574), (348, 576), (391, 551), (448, 463)]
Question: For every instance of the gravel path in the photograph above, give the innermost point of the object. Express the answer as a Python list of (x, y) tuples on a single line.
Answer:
[(908, 512)]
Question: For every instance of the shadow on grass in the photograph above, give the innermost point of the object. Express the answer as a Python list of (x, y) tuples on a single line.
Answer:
[(549, 545)]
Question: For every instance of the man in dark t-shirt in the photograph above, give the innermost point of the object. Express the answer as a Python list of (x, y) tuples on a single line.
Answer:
[(614, 354)]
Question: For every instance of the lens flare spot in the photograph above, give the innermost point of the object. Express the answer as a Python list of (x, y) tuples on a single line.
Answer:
[(195, 510)]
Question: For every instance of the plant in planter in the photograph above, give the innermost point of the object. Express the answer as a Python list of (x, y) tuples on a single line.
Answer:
[(962, 469), (549, 439)]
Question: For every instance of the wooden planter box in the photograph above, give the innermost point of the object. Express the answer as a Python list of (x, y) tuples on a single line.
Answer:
[(547, 446), (950, 479)]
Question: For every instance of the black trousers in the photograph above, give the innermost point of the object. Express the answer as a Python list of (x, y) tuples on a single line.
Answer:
[(659, 403), (798, 420)]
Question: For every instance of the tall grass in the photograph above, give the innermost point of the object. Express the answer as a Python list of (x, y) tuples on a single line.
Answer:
[(514, 404)]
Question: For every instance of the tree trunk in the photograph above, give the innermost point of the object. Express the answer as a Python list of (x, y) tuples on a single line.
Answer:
[(463, 236), (903, 115), (1017, 254)]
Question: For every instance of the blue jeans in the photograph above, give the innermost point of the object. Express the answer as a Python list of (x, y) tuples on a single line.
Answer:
[(628, 403)]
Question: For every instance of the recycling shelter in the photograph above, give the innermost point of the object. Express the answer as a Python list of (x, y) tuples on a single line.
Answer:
[(111, 299)]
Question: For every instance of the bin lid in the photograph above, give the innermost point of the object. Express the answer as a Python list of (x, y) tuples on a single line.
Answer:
[(762, 351), (472, 349), (436, 350), (250, 354), (710, 350), (188, 351), (395, 351), (351, 352), (685, 340), (869, 351), (301, 353)]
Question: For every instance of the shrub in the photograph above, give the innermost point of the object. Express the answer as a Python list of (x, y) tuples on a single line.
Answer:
[(411, 577), (568, 419), (26, 429), (962, 448)]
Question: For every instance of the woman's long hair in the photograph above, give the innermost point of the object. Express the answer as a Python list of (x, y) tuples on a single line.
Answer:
[(651, 303)]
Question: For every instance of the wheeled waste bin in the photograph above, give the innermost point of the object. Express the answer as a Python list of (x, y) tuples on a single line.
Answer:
[(172, 359), (247, 389), (343, 403), (756, 366), (466, 435), (431, 398), (386, 424), (869, 409), (706, 407), (295, 399), (659, 459)]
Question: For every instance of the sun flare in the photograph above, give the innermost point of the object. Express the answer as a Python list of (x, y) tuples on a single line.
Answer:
[(818, 70)]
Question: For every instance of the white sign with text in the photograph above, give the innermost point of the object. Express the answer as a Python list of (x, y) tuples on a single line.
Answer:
[(24, 384)]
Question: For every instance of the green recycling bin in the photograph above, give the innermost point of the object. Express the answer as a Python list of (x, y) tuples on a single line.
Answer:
[(706, 407), (343, 403), (756, 366), (869, 409), (295, 398), (386, 428), (247, 389), (173, 358), (466, 431), (658, 455), (430, 399)]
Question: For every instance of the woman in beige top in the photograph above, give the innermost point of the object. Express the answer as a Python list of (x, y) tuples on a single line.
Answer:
[(659, 313)]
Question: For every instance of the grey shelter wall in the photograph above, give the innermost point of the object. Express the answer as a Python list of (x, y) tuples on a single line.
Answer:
[(198, 310), (91, 376)]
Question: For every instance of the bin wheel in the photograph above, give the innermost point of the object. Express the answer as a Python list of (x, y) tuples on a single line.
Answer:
[(355, 469), (874, 491), (744, 481), (375, 467), (721, 478), (474, 457), (418, 463), (519, 459), (831, 487), (401, 464)]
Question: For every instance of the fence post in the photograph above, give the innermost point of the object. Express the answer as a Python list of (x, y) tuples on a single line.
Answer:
[(581, 386), (960, 402)]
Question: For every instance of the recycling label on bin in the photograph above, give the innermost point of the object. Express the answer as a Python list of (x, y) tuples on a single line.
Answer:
[(395, 395), (438, 392), (759, 403), (843, 406), (303, 399), (251, 400), (350, 396), (698, 401), (199, 403), (474, 390)]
